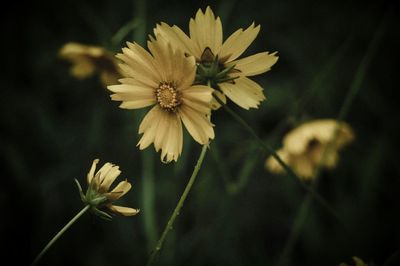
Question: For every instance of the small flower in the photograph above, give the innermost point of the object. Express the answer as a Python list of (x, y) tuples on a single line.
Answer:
[(357, 261), (217, 60), (98, 195), (164, 79), (304, 147), (87, 60)]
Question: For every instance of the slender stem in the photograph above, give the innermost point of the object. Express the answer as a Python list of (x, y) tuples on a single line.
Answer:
[(179, 206), (288, 170), (59, 234)]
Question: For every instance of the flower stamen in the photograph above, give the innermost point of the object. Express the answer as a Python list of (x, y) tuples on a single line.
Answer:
[(168, 97)]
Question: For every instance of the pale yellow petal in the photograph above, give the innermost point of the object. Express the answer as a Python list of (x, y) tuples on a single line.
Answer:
[(254, 64), (163, 54), (120, 190), (303, 166), (198, 97), (144, 58), (103, 171), (272, 164), (321, 130), (133, 71), (171, 146), (206, 31), (215, 105), (238, 42), (110, 178), (125, 211), (149, 127), (72, 49), (133, 96), (178, 38), (198, 125), (143, 65), (244, 92), (90, 175), (82, 68)]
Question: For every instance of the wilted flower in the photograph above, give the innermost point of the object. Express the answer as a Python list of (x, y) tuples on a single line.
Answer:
[(87, 60), (357, 261), (98, 195), (304, 147), (164, 79), (217, 60)]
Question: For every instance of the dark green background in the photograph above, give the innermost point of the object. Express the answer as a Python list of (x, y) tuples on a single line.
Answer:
[(53, 126)]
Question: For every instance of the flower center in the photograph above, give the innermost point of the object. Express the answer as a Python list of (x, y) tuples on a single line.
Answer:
[(167, 96)]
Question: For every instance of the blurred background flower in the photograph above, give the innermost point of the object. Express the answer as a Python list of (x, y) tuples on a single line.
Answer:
[(312, 145), (87, 60)]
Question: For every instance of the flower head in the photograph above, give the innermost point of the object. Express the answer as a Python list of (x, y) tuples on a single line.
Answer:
[(218, 61), (98, 194), (304, 147), (87, 60), (164, 78)]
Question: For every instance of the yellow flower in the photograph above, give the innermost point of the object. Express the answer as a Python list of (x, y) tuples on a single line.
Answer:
[(357, 261), (164, 79), (98, 195), (218, 61), (303, 147), (87, 60)]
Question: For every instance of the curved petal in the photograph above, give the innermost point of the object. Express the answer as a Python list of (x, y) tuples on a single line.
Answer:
[(206, 30), (121, 189), (255, 64), (237, 43), (176, 36), (103, 171), (113, 173), (125, 211), (244, 92), (90, 175), (198, 125)]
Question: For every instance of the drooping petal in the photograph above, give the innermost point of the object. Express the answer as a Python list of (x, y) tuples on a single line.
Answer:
[(237, 43), (206, 30), (254, 64), (198, 125), (125, 211), (90, 175), (244, 92), (215, 105), (121, 189)]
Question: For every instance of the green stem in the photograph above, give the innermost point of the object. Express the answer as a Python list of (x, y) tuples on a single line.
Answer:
[(179, 206), (288, 170), (59, 234)]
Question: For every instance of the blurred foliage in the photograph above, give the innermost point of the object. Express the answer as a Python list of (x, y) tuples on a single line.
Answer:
[(53, 126)]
